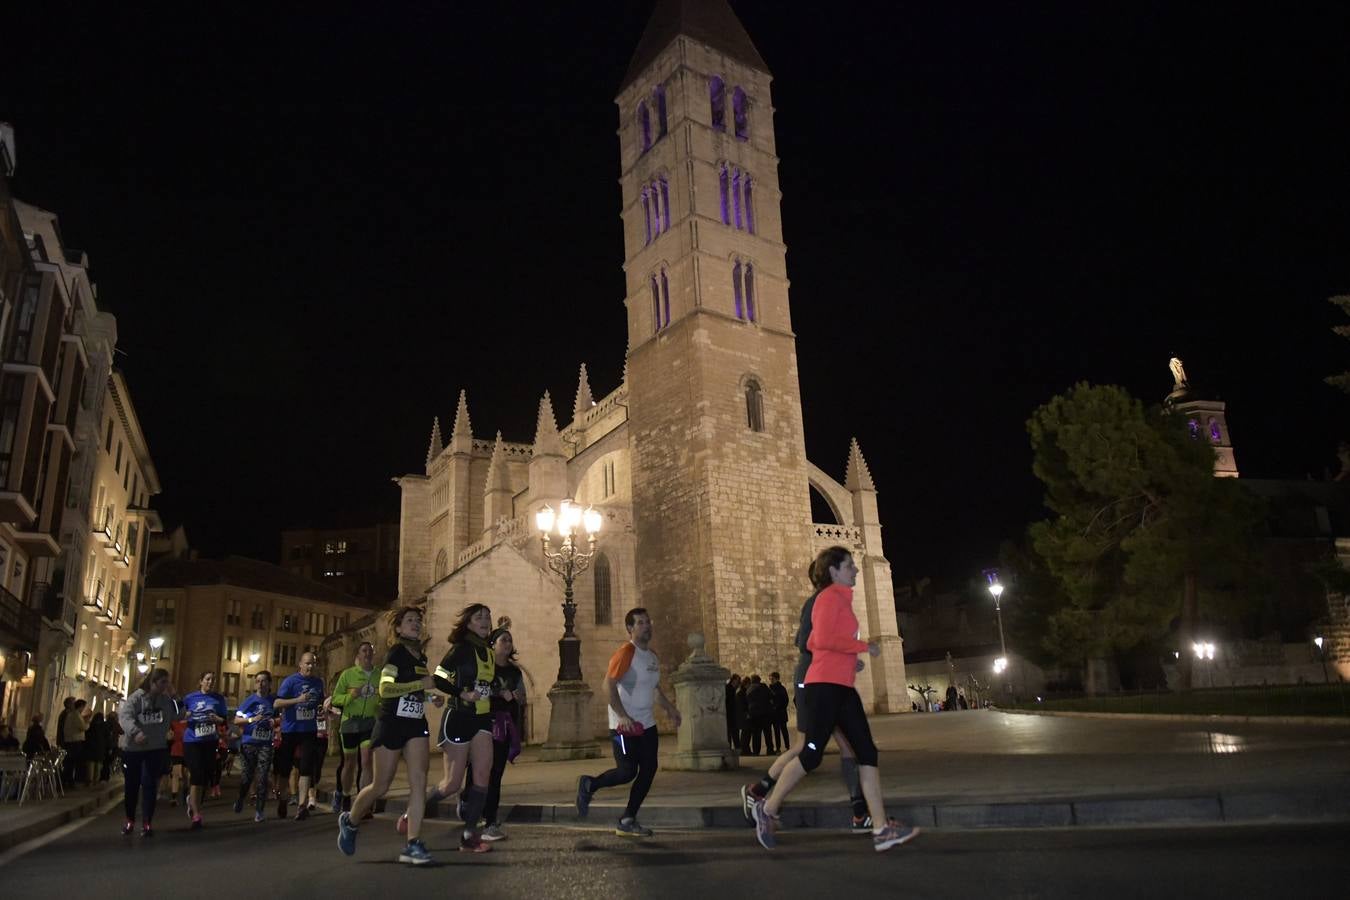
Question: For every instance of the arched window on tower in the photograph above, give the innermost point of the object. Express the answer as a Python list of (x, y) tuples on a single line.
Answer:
[(645, 126), (754, 406), (656, 305), (603, 590), (442, 566), (656, 208), (736, 289), (750, 293), (717, 95), (736, 195), (665, 298), (647, 215), (741, 114), (1214, 434), (659, 101), (724, 186), (749, 208), (665, 204)]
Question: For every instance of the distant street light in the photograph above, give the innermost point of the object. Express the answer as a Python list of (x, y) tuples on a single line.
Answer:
[(1204, 651), (1000, 664), (1321, 652)]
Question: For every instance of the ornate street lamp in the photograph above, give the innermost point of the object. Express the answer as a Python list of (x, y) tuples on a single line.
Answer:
[(569, 562), (1321, 652), (1000, 664)]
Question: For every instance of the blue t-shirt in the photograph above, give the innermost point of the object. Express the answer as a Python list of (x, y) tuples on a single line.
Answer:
[(259, 732), (300, 717), (199, 708)]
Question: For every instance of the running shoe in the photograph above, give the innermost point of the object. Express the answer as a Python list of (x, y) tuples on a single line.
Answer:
[(311, 806), (346, 834), (584, 793), (145, 830), (258, 816), (196, 823), (632, 828), (494, 833), (281, 806), (749, 794), (473, 844), (215, 792), (861, 825), (459, 813), (401, 826), (238, 806), (302, 813), (764, 826), (893, 835), (337, 801), (128, 827), (415, 853)]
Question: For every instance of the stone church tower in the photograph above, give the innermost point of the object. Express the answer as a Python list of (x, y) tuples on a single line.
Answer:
[(719, 459), (696, 461)]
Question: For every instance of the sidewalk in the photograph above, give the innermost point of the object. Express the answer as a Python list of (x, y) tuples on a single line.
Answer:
[(969, 769)]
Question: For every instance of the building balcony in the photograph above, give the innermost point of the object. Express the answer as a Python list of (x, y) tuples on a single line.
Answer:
[(121, 560), (16, 509), (20, 626), (113, 547), (102, 528), (38, 544)]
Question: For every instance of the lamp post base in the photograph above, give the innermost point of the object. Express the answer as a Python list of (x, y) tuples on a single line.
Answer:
[(570, 732)]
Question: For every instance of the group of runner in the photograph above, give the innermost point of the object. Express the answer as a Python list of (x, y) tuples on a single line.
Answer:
[(383, 721)]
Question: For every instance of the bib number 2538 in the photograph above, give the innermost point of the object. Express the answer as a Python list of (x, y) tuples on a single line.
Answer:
[(408, 708)]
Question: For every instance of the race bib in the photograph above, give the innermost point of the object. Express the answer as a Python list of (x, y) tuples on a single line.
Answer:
[(262, 733), (408, 708), (203, 729), (153, 717), (321, 725), (304, 714)]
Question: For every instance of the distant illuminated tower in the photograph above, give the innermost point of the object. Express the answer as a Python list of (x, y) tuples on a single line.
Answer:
[(1207, 417)]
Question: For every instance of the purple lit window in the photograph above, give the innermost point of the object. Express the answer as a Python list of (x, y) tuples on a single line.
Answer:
[(1195, 428), (736, 195), (724, 183), (645, 126), (656, 306), (717, 93), (665, 298), (656, 209), (736, 289), (738, 105), (1214, 430), (750, 292), (659, 99), (749, 208), (647, 215), (665, 203)]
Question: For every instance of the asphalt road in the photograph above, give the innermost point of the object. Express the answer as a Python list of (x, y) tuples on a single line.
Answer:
[(233, 857)]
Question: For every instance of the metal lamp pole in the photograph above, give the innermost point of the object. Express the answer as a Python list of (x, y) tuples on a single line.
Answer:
[(1002, 663), (1322, 652), (569, 562)]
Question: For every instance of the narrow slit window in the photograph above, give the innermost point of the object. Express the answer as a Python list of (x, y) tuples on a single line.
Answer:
[(724, 184), (656, 210), (749, 207), (665, 297), (647, 215), (659, 100), (645, 126), (736, 290), (736, 195), (656, 305), (750, 293), (754, 406), (665, 203), (717, 95)]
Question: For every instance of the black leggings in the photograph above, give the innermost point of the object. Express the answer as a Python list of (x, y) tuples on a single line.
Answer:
[(200, 759), (831, 706), (635, 759), (500, 749), (142, 770)]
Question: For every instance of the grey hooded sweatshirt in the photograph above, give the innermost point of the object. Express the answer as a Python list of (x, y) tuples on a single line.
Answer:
[(152, 716)]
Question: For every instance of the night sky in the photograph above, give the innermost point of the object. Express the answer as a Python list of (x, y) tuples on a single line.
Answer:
[(316, 224)]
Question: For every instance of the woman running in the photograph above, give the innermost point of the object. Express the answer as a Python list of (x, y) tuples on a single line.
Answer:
[(205, 709), (400, 731), (145, 718), (508, 701), (256, 716), (465, 675), (831, 702)]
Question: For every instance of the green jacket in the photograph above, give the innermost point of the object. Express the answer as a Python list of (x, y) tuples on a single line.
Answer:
[(366, 704)]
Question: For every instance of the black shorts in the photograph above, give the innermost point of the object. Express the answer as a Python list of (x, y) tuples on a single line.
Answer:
[(354, 740), (803, 720), (175, 760), (297, 750), (393, 732), (200, 759), (460, 727)]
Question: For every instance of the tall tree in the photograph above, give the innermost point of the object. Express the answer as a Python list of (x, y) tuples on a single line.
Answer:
[(1140, 524), (1342, 380)]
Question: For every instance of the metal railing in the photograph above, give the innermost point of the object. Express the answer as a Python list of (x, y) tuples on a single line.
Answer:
[(21, 621)]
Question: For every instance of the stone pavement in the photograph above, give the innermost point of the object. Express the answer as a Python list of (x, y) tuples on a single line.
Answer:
[(37, 817), (969, 769)]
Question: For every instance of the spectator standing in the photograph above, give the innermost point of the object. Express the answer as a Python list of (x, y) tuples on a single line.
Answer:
[(95, 746), (35, 741), (780, 712), (8, 742), (733, 724), (759, 709), (73, 734)]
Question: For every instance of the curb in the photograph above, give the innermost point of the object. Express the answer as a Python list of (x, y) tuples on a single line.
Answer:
[(1220, 808), (1333, 721), (57, 817)]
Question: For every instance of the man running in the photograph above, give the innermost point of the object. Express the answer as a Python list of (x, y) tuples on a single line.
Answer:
[(298, 699), (357, 696), (255, 717), (632, 683)]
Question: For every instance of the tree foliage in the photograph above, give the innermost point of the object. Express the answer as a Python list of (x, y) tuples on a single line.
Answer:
[(1341, 381), (1140, 525)]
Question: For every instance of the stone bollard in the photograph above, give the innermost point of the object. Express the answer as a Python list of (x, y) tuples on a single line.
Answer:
[(700, 694)]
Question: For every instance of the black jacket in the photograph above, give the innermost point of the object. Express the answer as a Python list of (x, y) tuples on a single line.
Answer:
[(780, 700), (758, 701)]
